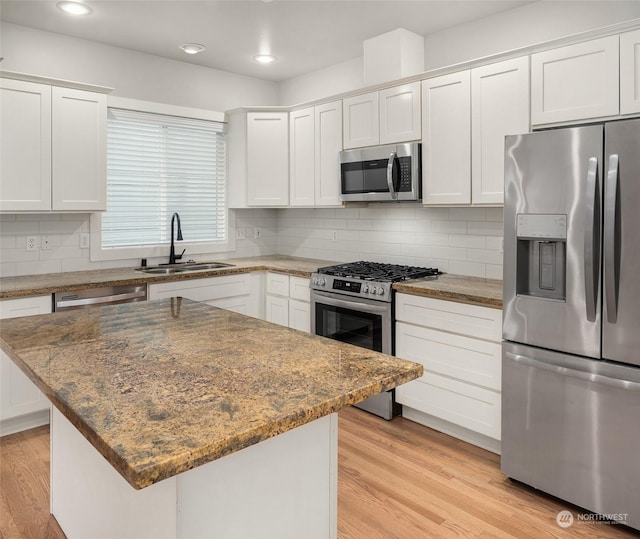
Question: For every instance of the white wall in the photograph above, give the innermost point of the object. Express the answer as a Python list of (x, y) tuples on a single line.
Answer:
[(523, 26), (132, 74), (519, 27), (333, 80), (466, 241)]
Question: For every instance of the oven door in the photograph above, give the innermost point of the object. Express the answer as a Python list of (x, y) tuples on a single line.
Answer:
[(356, 321), (363, 323)]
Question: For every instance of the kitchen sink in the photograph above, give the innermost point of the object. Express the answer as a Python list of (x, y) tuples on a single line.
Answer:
[(182, 268)]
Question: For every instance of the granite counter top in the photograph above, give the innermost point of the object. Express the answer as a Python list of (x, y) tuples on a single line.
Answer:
[(473, 290), (35, 285), (164, 386)]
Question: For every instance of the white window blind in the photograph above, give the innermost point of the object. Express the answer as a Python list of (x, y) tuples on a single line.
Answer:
[(158, 165)]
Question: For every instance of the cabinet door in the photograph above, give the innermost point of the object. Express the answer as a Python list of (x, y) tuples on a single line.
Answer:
[(446, 139), (301, 157), (328, 144), (18, 394), (79, 150), (400, 118), (299, 315), (630, 72), (277, 310), (576, 82), (499, 107), (360, 121), (267, 159), (25, 146)]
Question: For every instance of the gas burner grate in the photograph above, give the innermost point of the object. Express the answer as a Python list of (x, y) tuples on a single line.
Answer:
[(377, 271)]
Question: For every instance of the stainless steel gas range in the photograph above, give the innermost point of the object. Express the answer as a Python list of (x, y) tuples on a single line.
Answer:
[(354, 303)]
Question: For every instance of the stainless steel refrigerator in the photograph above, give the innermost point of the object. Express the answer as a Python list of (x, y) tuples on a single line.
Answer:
[(571, 355)]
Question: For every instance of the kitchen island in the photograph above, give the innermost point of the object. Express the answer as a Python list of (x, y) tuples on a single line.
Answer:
[(218, 424)]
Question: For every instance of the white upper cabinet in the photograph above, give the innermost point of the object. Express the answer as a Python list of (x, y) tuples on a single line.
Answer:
[(385, 117), (361, 121), (53, 151), (328, 144), (267, 159), (499, 107), (79, 150), (400, 113), (575, 82), (466, 116), (446, 139), (630, 72), (315, 140), (302, 157), (25, 146)]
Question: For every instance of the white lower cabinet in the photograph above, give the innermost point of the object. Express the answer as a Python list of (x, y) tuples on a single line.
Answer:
[(22, 405), (459, 348), (240, 292), (287, 301)]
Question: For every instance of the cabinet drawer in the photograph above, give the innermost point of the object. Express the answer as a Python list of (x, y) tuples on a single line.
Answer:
[(14, 308), (278, 284), (299, 289), (460, 318), (469, 406), (207, 289), (463, 358)]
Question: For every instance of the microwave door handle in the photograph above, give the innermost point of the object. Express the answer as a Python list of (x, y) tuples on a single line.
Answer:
[(591, 239), (390, 165), (610, 248)]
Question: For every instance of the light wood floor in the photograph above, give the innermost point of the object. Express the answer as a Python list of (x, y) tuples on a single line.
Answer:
[(396, 480)]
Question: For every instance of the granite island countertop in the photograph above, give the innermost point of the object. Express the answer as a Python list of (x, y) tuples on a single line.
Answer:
[(164, 386)]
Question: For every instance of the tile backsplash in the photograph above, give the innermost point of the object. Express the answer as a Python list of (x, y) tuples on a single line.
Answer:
[(466, 241), (63, 237)]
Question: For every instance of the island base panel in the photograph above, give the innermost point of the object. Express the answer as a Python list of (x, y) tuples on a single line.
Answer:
[(284, 487)]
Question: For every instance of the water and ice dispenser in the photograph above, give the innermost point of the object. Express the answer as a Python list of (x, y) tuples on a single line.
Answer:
[(541, 255)]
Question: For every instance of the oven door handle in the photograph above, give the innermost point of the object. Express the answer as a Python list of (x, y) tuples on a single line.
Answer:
[(347, 304)]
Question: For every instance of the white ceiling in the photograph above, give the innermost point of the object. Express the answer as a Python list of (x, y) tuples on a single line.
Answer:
[(304, 35)]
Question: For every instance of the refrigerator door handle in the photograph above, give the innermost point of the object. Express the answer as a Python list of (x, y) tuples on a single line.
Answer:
[(618, 383), (611, 240), (591, 239)]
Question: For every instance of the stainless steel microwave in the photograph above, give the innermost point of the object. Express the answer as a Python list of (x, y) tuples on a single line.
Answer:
[(381, 173)]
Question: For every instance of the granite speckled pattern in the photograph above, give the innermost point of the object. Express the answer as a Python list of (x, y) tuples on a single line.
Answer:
[(161, 387), (34, 285), (472, 290)]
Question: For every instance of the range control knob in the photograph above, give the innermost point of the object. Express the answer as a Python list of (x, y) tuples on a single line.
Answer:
[(380, 291), (323, 282), (365, 288)]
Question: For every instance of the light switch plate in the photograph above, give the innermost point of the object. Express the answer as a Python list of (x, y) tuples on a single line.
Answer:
[(257, 233), (45, 244)]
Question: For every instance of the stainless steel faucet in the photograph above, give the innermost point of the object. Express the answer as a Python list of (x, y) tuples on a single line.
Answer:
[(172, 253)]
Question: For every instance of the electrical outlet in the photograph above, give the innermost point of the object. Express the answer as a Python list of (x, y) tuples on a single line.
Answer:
[(257, 233), (32, 243), (85, 238), (45, 243), (240, 234), (334, 235)]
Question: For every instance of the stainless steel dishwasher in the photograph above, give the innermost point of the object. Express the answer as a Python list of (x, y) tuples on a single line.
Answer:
[(97, 297)]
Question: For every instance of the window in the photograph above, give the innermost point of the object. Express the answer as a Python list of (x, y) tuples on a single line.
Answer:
[(157, 165)]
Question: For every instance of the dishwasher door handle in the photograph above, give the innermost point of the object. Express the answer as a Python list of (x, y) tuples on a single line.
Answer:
[(99, 300)]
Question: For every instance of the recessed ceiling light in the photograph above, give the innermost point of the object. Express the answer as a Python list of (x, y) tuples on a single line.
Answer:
[(192, 48), (74, 8), (264, 58)]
